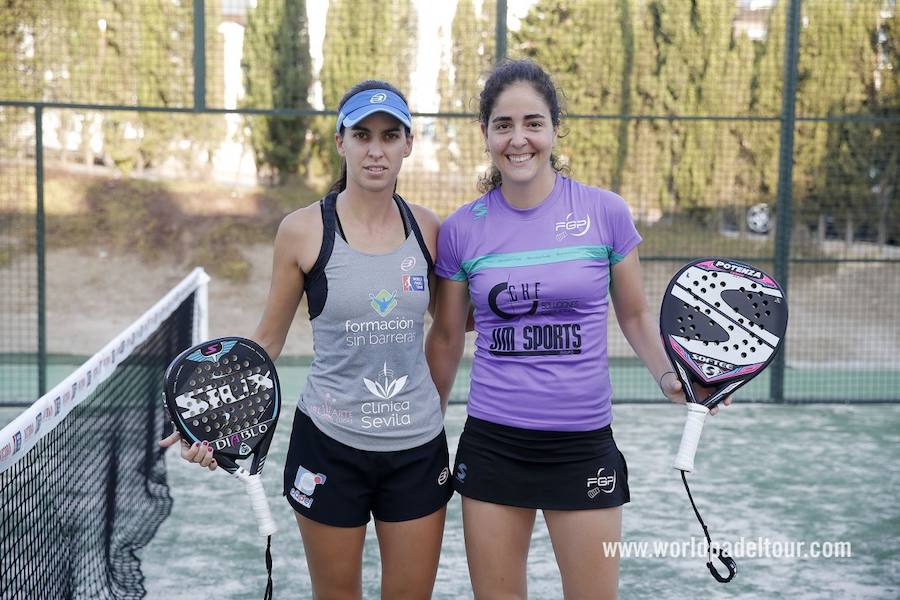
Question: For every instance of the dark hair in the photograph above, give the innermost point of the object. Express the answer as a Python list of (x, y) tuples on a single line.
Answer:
[(369, 84), (505, 74)]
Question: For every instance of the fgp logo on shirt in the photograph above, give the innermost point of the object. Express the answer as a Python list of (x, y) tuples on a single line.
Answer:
[(383, 302), (572, 226)]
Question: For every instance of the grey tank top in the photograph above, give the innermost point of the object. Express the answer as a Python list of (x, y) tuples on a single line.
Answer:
[(369, 386)]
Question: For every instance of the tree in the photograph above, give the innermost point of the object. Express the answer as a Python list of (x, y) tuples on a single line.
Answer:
[(837, 64), (886, 136), (276, 67), (363, 40), (583, 50), (460, 80)]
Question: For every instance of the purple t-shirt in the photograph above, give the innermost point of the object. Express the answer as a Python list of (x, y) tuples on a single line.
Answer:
[(539, 281)]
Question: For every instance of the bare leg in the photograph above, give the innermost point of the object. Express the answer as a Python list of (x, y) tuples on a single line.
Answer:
[(497, 540), (334, 557), (409, 556), (589, 568)]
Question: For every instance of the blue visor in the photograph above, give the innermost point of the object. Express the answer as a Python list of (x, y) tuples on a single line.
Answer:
[(368, 102)]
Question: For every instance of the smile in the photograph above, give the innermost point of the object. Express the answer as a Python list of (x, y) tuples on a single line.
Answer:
[(519, 158), (375, 170)]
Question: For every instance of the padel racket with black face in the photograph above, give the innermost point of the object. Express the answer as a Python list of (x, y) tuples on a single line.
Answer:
[(722, 322), (225, 392)]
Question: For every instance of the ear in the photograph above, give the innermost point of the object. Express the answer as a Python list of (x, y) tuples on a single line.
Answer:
[(409, 145), (339, 143)]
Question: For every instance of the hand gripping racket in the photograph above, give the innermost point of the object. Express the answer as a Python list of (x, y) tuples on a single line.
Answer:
[(225, 392), (722, 322)]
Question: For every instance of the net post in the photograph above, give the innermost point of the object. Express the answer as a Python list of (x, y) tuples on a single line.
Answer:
[(785, 174), (41, 250), (199, 55), (500, 32), (201, 307)]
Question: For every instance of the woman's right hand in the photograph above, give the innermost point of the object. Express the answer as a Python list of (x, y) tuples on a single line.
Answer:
[(201, 454)]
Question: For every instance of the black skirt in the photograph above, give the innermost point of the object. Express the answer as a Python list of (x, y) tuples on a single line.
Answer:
[(554, 470)]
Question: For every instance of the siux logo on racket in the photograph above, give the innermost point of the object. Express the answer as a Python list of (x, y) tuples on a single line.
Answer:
[(197, 402)]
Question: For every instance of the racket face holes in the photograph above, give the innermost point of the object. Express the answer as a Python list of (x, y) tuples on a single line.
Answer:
[(743, 355), (207, 429), (196, 422), (246, 363)]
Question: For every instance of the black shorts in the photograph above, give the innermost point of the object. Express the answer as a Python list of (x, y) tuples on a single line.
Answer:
[(554, 470), (335, 484)]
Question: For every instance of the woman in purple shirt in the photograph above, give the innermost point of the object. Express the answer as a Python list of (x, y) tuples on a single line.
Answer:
[(539, 256)]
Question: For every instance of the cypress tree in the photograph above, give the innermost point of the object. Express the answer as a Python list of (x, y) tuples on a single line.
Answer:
[(363, 40), (276, 67), (580, 44), (471, 58), (836, 69), (886, 147)]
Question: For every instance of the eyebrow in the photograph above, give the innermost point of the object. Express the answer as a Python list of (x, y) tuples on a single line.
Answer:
[(527, 117), (367, 130)]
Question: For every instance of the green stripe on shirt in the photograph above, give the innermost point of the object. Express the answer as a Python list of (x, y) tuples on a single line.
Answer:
[(535, 257)]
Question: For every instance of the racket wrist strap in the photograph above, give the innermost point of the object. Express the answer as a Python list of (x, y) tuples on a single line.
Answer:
[(721, 554), (268, 594)]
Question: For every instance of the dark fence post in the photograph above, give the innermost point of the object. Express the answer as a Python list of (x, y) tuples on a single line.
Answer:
[(41, 249), (783, 206), (199, 55), (500, 35)]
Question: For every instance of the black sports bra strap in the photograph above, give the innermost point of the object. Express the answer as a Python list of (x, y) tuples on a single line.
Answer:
[(328, 223), (407, 212)]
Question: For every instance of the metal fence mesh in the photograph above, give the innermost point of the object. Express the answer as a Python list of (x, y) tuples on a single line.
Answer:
[(679, 107)]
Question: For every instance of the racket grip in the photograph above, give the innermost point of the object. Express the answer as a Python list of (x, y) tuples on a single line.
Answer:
[(258, 502), (690, 437)]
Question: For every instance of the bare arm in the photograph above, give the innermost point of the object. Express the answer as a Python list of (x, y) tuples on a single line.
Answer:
[(446, 338), (296, 249), (285, 289)]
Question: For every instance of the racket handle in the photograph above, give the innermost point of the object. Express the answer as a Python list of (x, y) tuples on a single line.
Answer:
[(258, 502), (690, 437)]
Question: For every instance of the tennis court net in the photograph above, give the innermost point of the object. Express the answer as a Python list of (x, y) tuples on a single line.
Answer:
[(82, 479)]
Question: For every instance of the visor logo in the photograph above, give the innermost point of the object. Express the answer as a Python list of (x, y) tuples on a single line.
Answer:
[(378, 98)]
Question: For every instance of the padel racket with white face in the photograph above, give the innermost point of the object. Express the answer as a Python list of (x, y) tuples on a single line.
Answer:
[(225, 392), (722, 322)]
